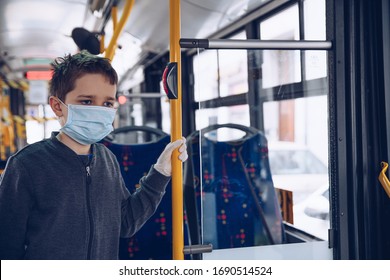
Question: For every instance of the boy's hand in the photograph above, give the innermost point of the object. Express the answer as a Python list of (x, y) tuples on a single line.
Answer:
[(163, 164)]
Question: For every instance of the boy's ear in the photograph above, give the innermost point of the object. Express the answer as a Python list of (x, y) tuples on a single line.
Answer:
[(55, 106)]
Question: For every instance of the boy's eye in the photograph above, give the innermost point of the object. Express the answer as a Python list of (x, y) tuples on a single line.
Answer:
[(86, 102), (108, 104)]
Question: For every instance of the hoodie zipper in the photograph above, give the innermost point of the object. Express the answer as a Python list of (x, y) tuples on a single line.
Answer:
[(88, 198)]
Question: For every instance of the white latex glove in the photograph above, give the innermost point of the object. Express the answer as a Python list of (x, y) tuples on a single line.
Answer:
[(164, 162)]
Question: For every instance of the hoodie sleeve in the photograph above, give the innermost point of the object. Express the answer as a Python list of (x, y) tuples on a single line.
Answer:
[(15, 205), (142, 204)]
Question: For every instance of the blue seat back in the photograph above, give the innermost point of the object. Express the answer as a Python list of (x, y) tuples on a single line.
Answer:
[(154, 239), (240, 206)]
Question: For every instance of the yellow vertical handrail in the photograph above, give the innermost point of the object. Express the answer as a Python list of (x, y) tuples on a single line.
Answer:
[(102, 37), (110, 51), (114, 16), (176, 133)]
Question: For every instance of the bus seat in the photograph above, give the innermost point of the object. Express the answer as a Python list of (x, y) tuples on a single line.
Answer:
[(137, 148), (240, 206)]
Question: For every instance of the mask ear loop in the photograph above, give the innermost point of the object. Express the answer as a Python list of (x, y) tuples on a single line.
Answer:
[(58, 99)]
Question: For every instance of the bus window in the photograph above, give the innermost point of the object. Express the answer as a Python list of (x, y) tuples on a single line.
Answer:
[(206, 75), (233, 69), (287, 90), (233, 114), (281, 66), (220, 73), (294, 93), (315, 62), (40, 123), (298, 139)]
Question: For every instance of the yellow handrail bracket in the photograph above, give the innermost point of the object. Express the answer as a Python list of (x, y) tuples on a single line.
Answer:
[(383, 178)]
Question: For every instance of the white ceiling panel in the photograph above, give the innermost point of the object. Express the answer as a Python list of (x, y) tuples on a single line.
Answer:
[(42, 28)]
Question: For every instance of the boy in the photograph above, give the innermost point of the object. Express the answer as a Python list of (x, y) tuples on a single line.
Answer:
[(64, 197)]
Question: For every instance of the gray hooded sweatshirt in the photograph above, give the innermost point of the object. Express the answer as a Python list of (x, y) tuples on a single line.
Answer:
[(55, 205)]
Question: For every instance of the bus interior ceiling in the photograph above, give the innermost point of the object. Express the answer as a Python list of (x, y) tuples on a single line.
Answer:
[(34, 32), (327, 106)]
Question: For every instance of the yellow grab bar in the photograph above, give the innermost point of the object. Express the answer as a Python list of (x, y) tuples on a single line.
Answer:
[(110, 51), (176, 133), (383, 178), (114, 16), (102, 48)]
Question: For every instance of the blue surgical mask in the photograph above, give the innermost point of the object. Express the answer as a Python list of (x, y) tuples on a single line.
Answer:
[(88, 124)]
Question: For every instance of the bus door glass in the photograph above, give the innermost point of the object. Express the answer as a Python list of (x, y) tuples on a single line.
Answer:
[(260, 149)]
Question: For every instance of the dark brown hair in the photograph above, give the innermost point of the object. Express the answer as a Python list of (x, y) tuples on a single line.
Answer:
[(67, 69)]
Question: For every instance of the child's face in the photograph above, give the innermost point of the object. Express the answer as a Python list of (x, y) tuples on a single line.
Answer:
[(90, 89)]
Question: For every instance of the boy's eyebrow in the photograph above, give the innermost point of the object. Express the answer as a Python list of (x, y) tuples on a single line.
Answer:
[(85, 96), (92, 97)]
